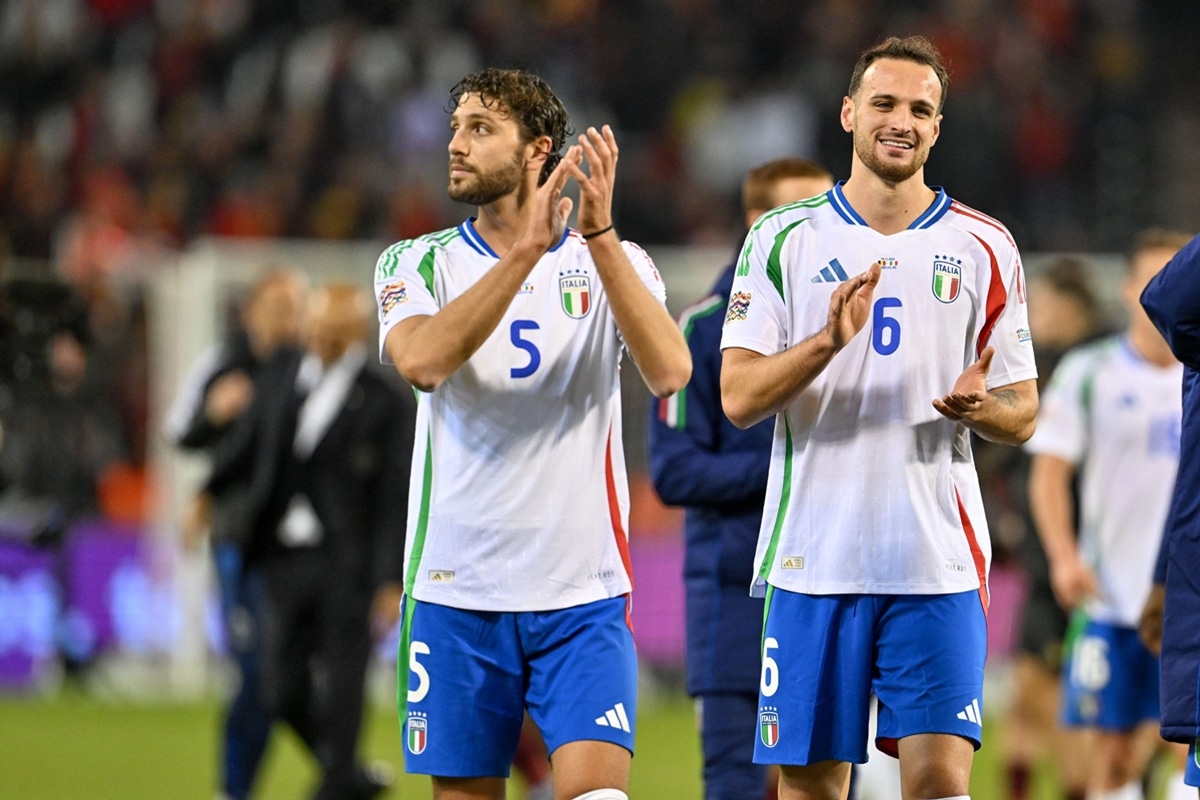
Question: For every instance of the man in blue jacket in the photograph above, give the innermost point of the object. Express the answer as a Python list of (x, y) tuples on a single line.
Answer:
[(699, 460), (1172, 300)]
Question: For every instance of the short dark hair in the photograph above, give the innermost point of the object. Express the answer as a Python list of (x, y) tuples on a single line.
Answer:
[(910, 48), (756, 188), (528, 99)]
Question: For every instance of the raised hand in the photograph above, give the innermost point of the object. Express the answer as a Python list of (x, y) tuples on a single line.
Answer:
[(850, 306), (550, 209), (970, 390), (599, 147)]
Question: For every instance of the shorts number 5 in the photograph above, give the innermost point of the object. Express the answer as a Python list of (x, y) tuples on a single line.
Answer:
[(418, 694)]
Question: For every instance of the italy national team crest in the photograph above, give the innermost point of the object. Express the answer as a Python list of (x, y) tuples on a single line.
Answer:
[(947, 278), (576, 289), (768, 727), (417, 734)]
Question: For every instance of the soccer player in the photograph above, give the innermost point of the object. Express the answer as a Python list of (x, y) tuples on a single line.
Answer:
[(873, 551), (699, 460), (1111, 414), (1172, 301), (1063, 313), (512, 327)]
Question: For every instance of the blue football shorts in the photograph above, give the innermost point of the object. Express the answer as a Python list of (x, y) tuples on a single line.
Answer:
[(1110, 680), (824, 655), (473, 674)]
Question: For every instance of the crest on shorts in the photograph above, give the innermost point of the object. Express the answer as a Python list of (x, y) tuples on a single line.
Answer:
[(947, 278), (768, 727), (417, 733), (575, 287)]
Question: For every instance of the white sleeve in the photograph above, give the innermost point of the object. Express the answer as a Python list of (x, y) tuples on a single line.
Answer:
[(757, 316), (404, 285), (1062, 426), (187, 402), (1013, 361), (644, 266)]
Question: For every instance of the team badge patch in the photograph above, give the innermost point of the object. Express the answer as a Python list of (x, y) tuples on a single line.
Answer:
[(947, 278), (768, 727), (739, 305), (417, 733), (888, 263), (575, 287), (392, 295)]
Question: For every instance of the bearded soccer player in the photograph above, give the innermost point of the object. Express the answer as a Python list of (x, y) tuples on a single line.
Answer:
[(881, 323), (512, 327)]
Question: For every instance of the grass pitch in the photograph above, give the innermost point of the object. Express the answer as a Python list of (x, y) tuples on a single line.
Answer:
[(73, 747)]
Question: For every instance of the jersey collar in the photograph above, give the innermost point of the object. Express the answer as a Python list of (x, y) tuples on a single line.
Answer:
[(472, 237), (938, 208)]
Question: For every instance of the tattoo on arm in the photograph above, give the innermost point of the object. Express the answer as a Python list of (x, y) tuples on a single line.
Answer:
[(1008, 397)]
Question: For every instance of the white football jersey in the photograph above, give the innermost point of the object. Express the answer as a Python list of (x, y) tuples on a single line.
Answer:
[(519, 497), (871, 490), (1117, 417)]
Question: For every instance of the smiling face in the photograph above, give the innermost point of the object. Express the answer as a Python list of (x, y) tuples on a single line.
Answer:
[(894, 118), (488, 155)]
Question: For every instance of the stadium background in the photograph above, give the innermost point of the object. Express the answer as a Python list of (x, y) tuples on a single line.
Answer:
[(155, 155)]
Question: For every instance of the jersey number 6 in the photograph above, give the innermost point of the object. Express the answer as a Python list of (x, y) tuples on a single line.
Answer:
[(885, 330), (519, 327)]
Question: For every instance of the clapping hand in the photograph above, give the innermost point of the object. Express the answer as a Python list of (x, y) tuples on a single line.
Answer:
[(595, 185), (970, 390)]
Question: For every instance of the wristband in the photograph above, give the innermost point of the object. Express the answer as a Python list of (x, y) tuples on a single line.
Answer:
[(594, 234)]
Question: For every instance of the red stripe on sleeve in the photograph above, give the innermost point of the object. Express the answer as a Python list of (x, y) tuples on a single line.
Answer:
[(996, 299)]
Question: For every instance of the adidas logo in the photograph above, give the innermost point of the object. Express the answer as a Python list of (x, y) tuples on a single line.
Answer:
[(614, 718), (972, 713), (833, 273)]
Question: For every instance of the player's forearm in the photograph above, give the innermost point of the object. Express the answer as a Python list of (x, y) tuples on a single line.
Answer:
[(428, 350), (755, 387), (1052, 506), (651, 335), (1008, 415)]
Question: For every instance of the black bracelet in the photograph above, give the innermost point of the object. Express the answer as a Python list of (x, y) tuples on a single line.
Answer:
[(594, 234)]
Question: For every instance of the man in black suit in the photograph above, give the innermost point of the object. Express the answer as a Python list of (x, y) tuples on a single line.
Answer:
[(216, 391), (327, 443)]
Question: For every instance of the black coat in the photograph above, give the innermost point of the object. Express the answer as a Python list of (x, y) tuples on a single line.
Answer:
[(357, 477)]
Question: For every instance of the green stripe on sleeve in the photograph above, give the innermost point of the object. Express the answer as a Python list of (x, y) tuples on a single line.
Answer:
[(774, 267)]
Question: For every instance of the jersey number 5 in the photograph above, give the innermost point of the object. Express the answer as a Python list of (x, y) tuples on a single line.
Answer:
[(885, 330), (519, 327)]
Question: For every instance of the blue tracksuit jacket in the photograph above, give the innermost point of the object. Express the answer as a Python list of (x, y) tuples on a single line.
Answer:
[(699, 460), (1172, 300)]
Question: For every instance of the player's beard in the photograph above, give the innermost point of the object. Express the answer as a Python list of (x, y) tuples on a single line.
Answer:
[(890, 171), (488, 187)]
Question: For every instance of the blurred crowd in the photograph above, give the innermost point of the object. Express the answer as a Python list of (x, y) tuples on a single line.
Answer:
[(127, 126)]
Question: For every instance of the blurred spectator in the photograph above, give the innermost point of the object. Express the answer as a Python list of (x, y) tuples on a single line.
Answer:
[(1063, 312), (62, 431), (256, 106), (326, 444), (214, 394)]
